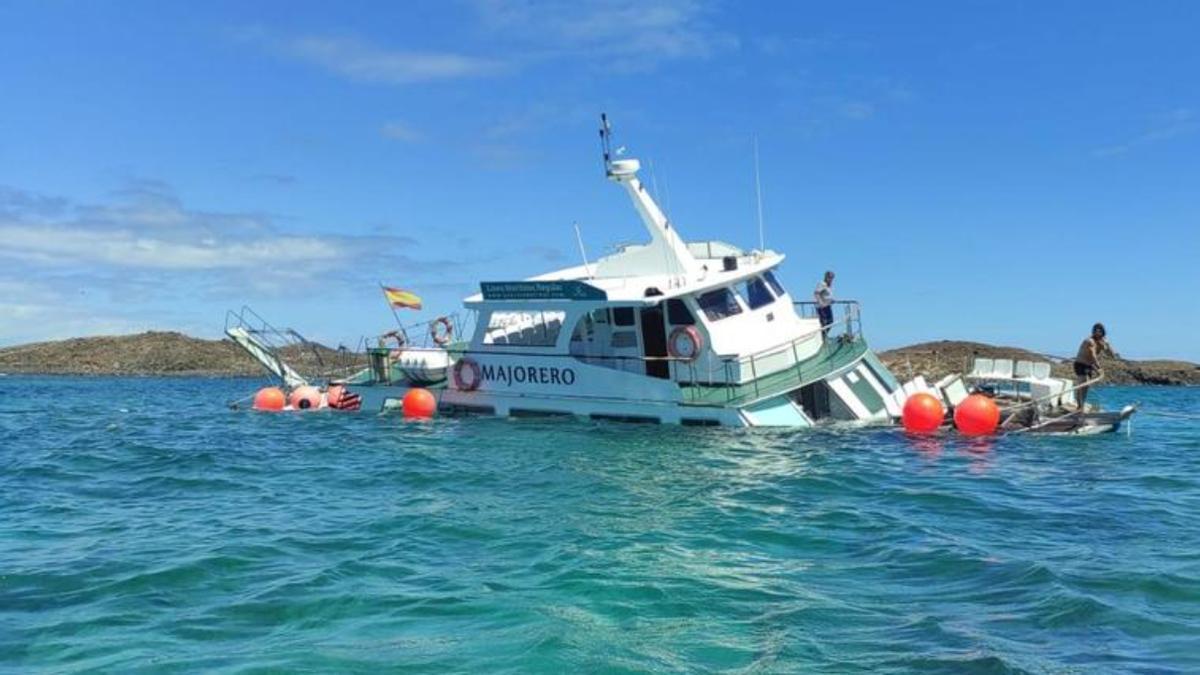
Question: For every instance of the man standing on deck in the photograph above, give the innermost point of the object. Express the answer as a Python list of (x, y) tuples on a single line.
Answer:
[(824, 297), (1087, 361)]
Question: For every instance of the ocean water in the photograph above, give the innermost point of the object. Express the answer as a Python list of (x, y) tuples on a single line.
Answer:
[(145, 527)]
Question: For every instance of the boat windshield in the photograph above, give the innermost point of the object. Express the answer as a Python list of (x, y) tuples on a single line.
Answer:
[(755, 293), (524, 328), (774, 283), (719, 304)]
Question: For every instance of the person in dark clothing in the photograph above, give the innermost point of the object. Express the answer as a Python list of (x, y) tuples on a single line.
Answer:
[(1087, 361)]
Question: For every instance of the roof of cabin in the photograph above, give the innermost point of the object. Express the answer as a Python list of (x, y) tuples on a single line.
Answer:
[(635, 274)]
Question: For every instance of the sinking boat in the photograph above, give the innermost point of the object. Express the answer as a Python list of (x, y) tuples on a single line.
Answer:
[(667, 331)]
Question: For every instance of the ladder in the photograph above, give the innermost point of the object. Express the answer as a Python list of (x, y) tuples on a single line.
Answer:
[(262, 342)]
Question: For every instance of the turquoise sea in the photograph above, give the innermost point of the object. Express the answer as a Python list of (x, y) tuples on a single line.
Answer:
[(145, 527)]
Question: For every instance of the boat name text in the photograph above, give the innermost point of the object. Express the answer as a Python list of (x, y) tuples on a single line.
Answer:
[(531, 374)]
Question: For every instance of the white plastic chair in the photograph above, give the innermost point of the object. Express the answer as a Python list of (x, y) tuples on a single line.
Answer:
[(952, 389), (982, 368), (1041, 370), (1023, 369), (1002, 368)]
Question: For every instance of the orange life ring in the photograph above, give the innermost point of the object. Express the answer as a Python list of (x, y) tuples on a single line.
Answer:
[(400, 342), (466, 384), (685, 343), (441, 337)]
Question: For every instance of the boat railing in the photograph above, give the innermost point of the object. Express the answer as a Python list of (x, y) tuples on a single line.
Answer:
[(271, 345), (418, 334), (849, 310), (286, 353), (732, 370)]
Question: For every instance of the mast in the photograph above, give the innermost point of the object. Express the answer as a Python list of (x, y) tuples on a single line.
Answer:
[(663, 236)]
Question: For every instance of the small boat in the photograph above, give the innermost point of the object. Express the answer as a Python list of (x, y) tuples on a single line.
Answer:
[(1072, 423), (1032, 400)]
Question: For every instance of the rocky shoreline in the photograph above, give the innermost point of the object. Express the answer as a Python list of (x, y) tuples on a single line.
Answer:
[(161, 353), (151, 354), (935, 360)]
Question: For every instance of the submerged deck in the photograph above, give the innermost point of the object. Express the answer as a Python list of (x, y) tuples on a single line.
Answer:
[(833, 356)]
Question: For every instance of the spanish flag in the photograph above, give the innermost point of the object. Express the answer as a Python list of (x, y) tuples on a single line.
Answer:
[(398, 298)]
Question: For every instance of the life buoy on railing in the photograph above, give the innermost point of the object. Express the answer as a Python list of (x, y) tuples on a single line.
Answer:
[(441, 335), (397, 337), (467, 375), (685, 343)]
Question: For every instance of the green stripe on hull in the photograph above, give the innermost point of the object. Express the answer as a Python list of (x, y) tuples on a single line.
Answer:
[(867, 396), (833, 356)]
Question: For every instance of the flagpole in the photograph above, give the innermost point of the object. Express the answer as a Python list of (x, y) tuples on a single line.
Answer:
[(395, 316)]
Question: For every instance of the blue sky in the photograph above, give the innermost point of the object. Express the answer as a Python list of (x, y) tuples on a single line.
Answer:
[(1005, 172)]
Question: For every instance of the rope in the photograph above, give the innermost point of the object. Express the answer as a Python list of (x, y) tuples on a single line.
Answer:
[(1048, 397)]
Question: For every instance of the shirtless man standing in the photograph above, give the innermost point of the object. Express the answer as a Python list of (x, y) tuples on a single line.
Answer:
[(1087, 361)]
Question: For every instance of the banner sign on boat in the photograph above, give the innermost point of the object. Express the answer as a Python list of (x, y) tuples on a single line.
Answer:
[(540, 290)]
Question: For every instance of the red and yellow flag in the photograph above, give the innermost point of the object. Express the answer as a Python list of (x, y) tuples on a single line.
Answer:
[(399, 298)]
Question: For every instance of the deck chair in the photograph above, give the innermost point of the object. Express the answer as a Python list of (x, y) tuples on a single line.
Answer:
[(983, 367), (1002, 368), (1041, 370), (952, 389), (1023, 369)]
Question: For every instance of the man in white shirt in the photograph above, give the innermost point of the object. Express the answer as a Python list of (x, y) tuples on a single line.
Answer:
[(824, 297)]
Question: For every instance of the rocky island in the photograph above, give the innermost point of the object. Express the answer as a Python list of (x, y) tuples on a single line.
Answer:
[(154, 353)]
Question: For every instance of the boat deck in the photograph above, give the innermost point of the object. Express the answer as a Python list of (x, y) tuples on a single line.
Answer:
[(833, 356)]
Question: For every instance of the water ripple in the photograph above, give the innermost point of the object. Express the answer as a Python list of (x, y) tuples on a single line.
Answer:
[(141, 534)]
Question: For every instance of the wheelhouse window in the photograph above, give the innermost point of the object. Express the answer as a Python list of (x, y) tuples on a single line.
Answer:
[(622, 316), (774, 283), (755, 293), (678, 314), (719, 304), (524, 329)]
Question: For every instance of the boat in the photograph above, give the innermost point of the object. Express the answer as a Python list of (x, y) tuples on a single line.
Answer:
[(666, 331), (1030, 398)]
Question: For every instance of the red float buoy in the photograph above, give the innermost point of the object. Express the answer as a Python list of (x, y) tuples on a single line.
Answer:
[(977, 415), (923, 413), (419, 403), (305, 398), (269, 398), (333, 395)]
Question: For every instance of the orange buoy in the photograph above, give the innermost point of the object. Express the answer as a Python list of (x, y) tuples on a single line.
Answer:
[(419, 403), (977, 415), (269, 398), (923, 413), (305, 398)]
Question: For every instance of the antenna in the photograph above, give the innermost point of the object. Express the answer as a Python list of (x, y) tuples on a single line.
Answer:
[(762, 246), (582, 253), (606, 142)]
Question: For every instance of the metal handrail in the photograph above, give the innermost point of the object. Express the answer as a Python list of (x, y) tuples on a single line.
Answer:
[(752, 359)]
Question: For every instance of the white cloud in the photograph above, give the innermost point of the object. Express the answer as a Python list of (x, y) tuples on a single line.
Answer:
[(364, 62), (1172, 124), (626, 33), (399, 131), (857, 110), (129, 248), (147, 228), (36, 311)]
